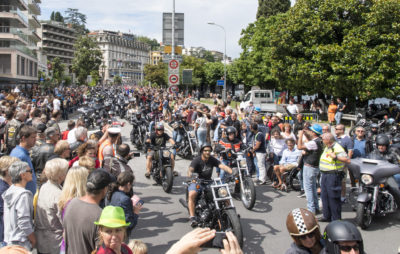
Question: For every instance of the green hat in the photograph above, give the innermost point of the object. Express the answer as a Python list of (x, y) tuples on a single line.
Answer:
[(112, 217)]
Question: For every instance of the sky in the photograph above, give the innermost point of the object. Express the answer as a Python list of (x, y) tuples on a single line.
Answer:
[(144, 17)]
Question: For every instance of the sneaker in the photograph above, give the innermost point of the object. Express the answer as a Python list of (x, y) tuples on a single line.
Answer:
[(343, 199), (261, 182), (302, 194), (193, 221), (147, 175), (323, 219)]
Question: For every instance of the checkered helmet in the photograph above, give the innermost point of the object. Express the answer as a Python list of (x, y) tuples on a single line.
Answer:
[(302, 222)]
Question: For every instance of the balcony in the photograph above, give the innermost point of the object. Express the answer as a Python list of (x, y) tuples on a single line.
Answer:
[(33, 21), (7, 32), (47, 45), (34, 7), (51, 31), (33, 35), (58, 39), (12, 12)]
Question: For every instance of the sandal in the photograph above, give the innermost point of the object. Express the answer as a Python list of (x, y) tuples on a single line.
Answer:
[(283, 188), (147, 175), (277, 185), (175, 173)]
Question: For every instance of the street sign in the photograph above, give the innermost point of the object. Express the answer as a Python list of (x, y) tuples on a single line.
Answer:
[(220, 82), (173, 89), (173, 79), (42, 79), (167, 58), (187, 76), (173, 64)]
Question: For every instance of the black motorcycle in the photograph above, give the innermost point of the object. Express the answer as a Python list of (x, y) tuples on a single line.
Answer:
[(214, 207), (161, 170), (241, 183), (378, 193), (187, 148), (138, 133)]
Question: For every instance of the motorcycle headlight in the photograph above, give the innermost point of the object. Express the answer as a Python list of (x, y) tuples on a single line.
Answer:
[(367, 179), (166, 154), (192, 134), (222, 192), (243, 163)]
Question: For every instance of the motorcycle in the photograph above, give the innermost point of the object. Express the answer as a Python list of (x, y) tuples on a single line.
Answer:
[(138, 133), (241, 183), (378, 192), (161, 170), (214, 207), (187, 148)]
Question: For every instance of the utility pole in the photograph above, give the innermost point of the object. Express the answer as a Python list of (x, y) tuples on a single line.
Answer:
[(173, 30)]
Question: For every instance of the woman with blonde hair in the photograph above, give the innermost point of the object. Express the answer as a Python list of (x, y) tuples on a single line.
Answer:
[(138, 247), (48, 226), (74, 186), (5, 182)]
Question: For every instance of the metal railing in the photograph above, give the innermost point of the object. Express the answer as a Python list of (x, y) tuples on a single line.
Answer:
[(31, 2), (306, 117), (14, 9), (16, 31)]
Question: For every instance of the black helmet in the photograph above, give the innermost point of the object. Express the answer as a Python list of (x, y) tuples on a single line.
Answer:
[(204, 146), (382, 140), (341, 231), (230, 130), (138, 113), (396, 140)]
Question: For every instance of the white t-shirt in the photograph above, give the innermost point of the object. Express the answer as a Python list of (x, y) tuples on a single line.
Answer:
[(56, 105), (201, 121), (71, 136), (293, 109), (278, 145)]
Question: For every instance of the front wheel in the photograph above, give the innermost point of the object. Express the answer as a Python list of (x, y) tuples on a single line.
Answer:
[(294, 180), (363, 215), (231, 221), (168, 180), (248, 193)]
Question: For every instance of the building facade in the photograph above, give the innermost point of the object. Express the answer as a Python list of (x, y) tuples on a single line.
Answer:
[(18, 42), (123, 56), (57, 41), (156, 57)]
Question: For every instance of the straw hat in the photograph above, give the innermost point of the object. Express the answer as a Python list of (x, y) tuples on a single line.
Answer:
[(112, 217)]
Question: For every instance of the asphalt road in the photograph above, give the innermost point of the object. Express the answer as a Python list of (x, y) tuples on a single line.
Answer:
[(163, 220)]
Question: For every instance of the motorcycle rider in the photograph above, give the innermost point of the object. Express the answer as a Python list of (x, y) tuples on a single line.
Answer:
[(158, 138), (383, 152), (203, 166), (136, 122), (304, 229), (371, 135), (342, 237), (229, 142)]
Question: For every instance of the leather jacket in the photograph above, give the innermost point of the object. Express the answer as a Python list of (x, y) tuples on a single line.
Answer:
[(40, 155)]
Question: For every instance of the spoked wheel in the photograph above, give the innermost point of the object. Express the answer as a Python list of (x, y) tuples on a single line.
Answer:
[(363, 215), (294, 180), (231, 222), (167, 180), (248, 193)]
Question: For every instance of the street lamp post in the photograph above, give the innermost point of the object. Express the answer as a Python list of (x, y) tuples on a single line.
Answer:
[(224, 89)]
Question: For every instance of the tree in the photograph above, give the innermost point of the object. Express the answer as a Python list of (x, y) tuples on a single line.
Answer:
[(208, 56), (155, 45), (52, 15), (268, 8), (197, 65), (88, 58), (156, 74), (58, 17), (77, 20), (58, 69)]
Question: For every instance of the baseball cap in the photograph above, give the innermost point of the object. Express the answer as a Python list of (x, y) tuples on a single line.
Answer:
[(258, 109), (316, 128), (99, 179), (114, 130)]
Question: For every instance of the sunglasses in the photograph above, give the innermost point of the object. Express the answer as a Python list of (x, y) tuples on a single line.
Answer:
[(349, 248), (304, 237), (29, 171), (207, 150)]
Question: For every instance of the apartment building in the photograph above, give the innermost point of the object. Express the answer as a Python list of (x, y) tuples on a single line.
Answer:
[(57, 41), (123, 55), (18, 40), (156, 57)]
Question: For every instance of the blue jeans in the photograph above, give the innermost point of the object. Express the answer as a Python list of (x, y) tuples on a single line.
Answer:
[(310, 175), (338, 117), (202, 137), (255, 161), (397, 178), (177, 137), (223, 173)]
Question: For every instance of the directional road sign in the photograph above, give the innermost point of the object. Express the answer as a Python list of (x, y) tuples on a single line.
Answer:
[(220, 82)]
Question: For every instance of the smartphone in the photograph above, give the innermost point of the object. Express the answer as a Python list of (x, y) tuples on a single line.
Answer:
[(216, 242), (136, 200)]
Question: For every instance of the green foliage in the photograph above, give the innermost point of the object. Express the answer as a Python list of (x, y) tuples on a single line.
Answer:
[(345, 48), (213, 72), (57, 70), (197, 64), (77, 20), (52, 15), (208, 56), (58, 17), (268, 8), (88, 58), (156, 74), (155, 45)]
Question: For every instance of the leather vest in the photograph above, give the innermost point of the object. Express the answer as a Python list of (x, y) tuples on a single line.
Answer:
[(312, 157)]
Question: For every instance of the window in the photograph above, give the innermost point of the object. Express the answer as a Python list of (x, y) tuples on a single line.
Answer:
[(30, 68), (257, 95), (22, 66), (5, 64), (247, 98), (18, 65)]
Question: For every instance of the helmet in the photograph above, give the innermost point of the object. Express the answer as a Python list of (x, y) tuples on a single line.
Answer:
[(204, 146), (160, 126), (390, 121), (111, 112), (382, 140), (138, 113), (396, 140), (374, 125), (230, 130), (316, 128), (222, 114), (300, 222), (340, 231)]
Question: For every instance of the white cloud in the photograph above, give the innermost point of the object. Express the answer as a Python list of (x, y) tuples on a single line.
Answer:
[(144, 17)]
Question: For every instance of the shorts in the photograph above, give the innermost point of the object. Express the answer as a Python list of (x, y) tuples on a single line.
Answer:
[(151, 153), (345, 172), (193, 187), (289, 167), (165, 111)]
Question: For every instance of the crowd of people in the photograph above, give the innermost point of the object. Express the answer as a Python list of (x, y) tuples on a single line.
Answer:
[(64, 191)]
